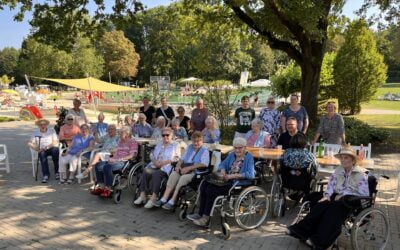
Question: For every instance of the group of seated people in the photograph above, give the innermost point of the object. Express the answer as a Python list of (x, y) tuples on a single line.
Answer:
[(168, 162)]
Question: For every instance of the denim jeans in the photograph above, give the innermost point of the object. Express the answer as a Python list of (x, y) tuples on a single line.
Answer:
[(44, 162), (104, 171)]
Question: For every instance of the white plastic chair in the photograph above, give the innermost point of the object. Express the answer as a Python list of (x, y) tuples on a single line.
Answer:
[(35, 155), (4, 159), (334, 148), (96, 149), (367, 150)]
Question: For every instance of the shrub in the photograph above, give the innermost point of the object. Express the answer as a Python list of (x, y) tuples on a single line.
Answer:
[(359, 132), (227, 134)]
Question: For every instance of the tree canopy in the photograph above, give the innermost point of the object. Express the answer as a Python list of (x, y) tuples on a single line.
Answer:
[(358, 68)]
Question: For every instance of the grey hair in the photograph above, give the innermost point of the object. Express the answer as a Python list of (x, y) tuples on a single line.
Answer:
[(127, 130), (112, 126), (175, 121), (257, 122), (160, 118), (239, 141), (142, 115), (213, 120), (69, 116)]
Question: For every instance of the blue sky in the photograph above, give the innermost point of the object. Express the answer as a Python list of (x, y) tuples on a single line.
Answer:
[(12, 33)]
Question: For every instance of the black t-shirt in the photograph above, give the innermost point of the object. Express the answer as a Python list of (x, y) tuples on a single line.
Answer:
[(148, 113), (284, 140), (243, 119), (184, 122), (169, 112)]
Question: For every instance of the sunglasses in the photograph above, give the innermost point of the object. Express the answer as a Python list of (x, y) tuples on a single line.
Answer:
[(269, 102), (165, 135), (70, 119)]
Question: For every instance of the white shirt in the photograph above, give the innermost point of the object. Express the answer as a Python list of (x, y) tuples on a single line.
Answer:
[(168, 152), (46, 138), (80, 116)]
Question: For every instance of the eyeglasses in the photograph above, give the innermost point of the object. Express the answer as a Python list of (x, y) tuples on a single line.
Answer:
[(270, 102), (165, 135), (70, 119), (238, 148)]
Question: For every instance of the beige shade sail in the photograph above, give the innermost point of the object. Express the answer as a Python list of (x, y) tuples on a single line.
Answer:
[(92, 84)]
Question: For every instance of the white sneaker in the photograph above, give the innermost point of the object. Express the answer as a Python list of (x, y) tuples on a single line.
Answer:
[(139, 201), (149, 204)]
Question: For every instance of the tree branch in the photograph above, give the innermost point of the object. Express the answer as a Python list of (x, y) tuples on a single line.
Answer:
[(273, 41)]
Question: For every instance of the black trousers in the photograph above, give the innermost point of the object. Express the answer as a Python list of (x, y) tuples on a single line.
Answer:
[(208, 194), (323, 224), (151, 180)]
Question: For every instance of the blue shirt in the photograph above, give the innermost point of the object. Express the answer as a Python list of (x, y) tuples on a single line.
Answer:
[(246, 170), (101, 129), (180, 133), (142, 130), (211, 137), (80, 143)]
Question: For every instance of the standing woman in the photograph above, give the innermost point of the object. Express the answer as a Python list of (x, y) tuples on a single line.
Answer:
[(270, 118), (297, 111), (331, 127), (165, 111), (199, 116), (184, 121), (148, 110), (78, 113)]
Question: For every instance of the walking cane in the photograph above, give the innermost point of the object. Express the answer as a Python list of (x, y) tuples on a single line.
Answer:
[(37, 161)]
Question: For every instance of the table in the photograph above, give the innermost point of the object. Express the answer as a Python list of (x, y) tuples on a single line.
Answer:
[(142, 140), (266, 153), (223, 148)]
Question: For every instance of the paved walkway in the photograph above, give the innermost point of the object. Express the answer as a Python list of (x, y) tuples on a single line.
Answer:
[(54, 216)]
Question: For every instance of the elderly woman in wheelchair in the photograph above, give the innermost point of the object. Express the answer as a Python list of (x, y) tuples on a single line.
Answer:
[(235, 169), (195, 159), (127, 149), (322, 225), (158, 170)]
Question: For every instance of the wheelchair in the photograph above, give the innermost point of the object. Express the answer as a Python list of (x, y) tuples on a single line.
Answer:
[(291, 184), (366, 226), (247, 204), (187, 195), (122, 177)]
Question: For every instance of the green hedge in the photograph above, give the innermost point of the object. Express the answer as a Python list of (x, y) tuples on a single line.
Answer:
[(7, 119), (357, 132)]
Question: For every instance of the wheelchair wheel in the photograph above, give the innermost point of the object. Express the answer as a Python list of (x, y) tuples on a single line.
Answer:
[(117, 196), (251, 208), (370, 230), (263, 172), (277, 197), (183, 213), (226, 231), (134, 175)]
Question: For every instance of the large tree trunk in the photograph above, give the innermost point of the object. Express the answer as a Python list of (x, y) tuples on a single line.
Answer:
[(310, 75)]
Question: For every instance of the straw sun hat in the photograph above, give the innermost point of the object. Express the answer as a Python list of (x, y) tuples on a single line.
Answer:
[(41, 121), (347, 150)]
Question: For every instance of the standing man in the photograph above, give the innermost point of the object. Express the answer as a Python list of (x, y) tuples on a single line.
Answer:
[(78, 113), (244, 115), (199, 116)]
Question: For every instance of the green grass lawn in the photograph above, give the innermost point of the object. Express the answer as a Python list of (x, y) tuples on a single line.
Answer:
[(388, 122), (385, 105)]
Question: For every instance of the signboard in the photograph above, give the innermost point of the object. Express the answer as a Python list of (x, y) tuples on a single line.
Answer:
[(244, 77), (163, 82)]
